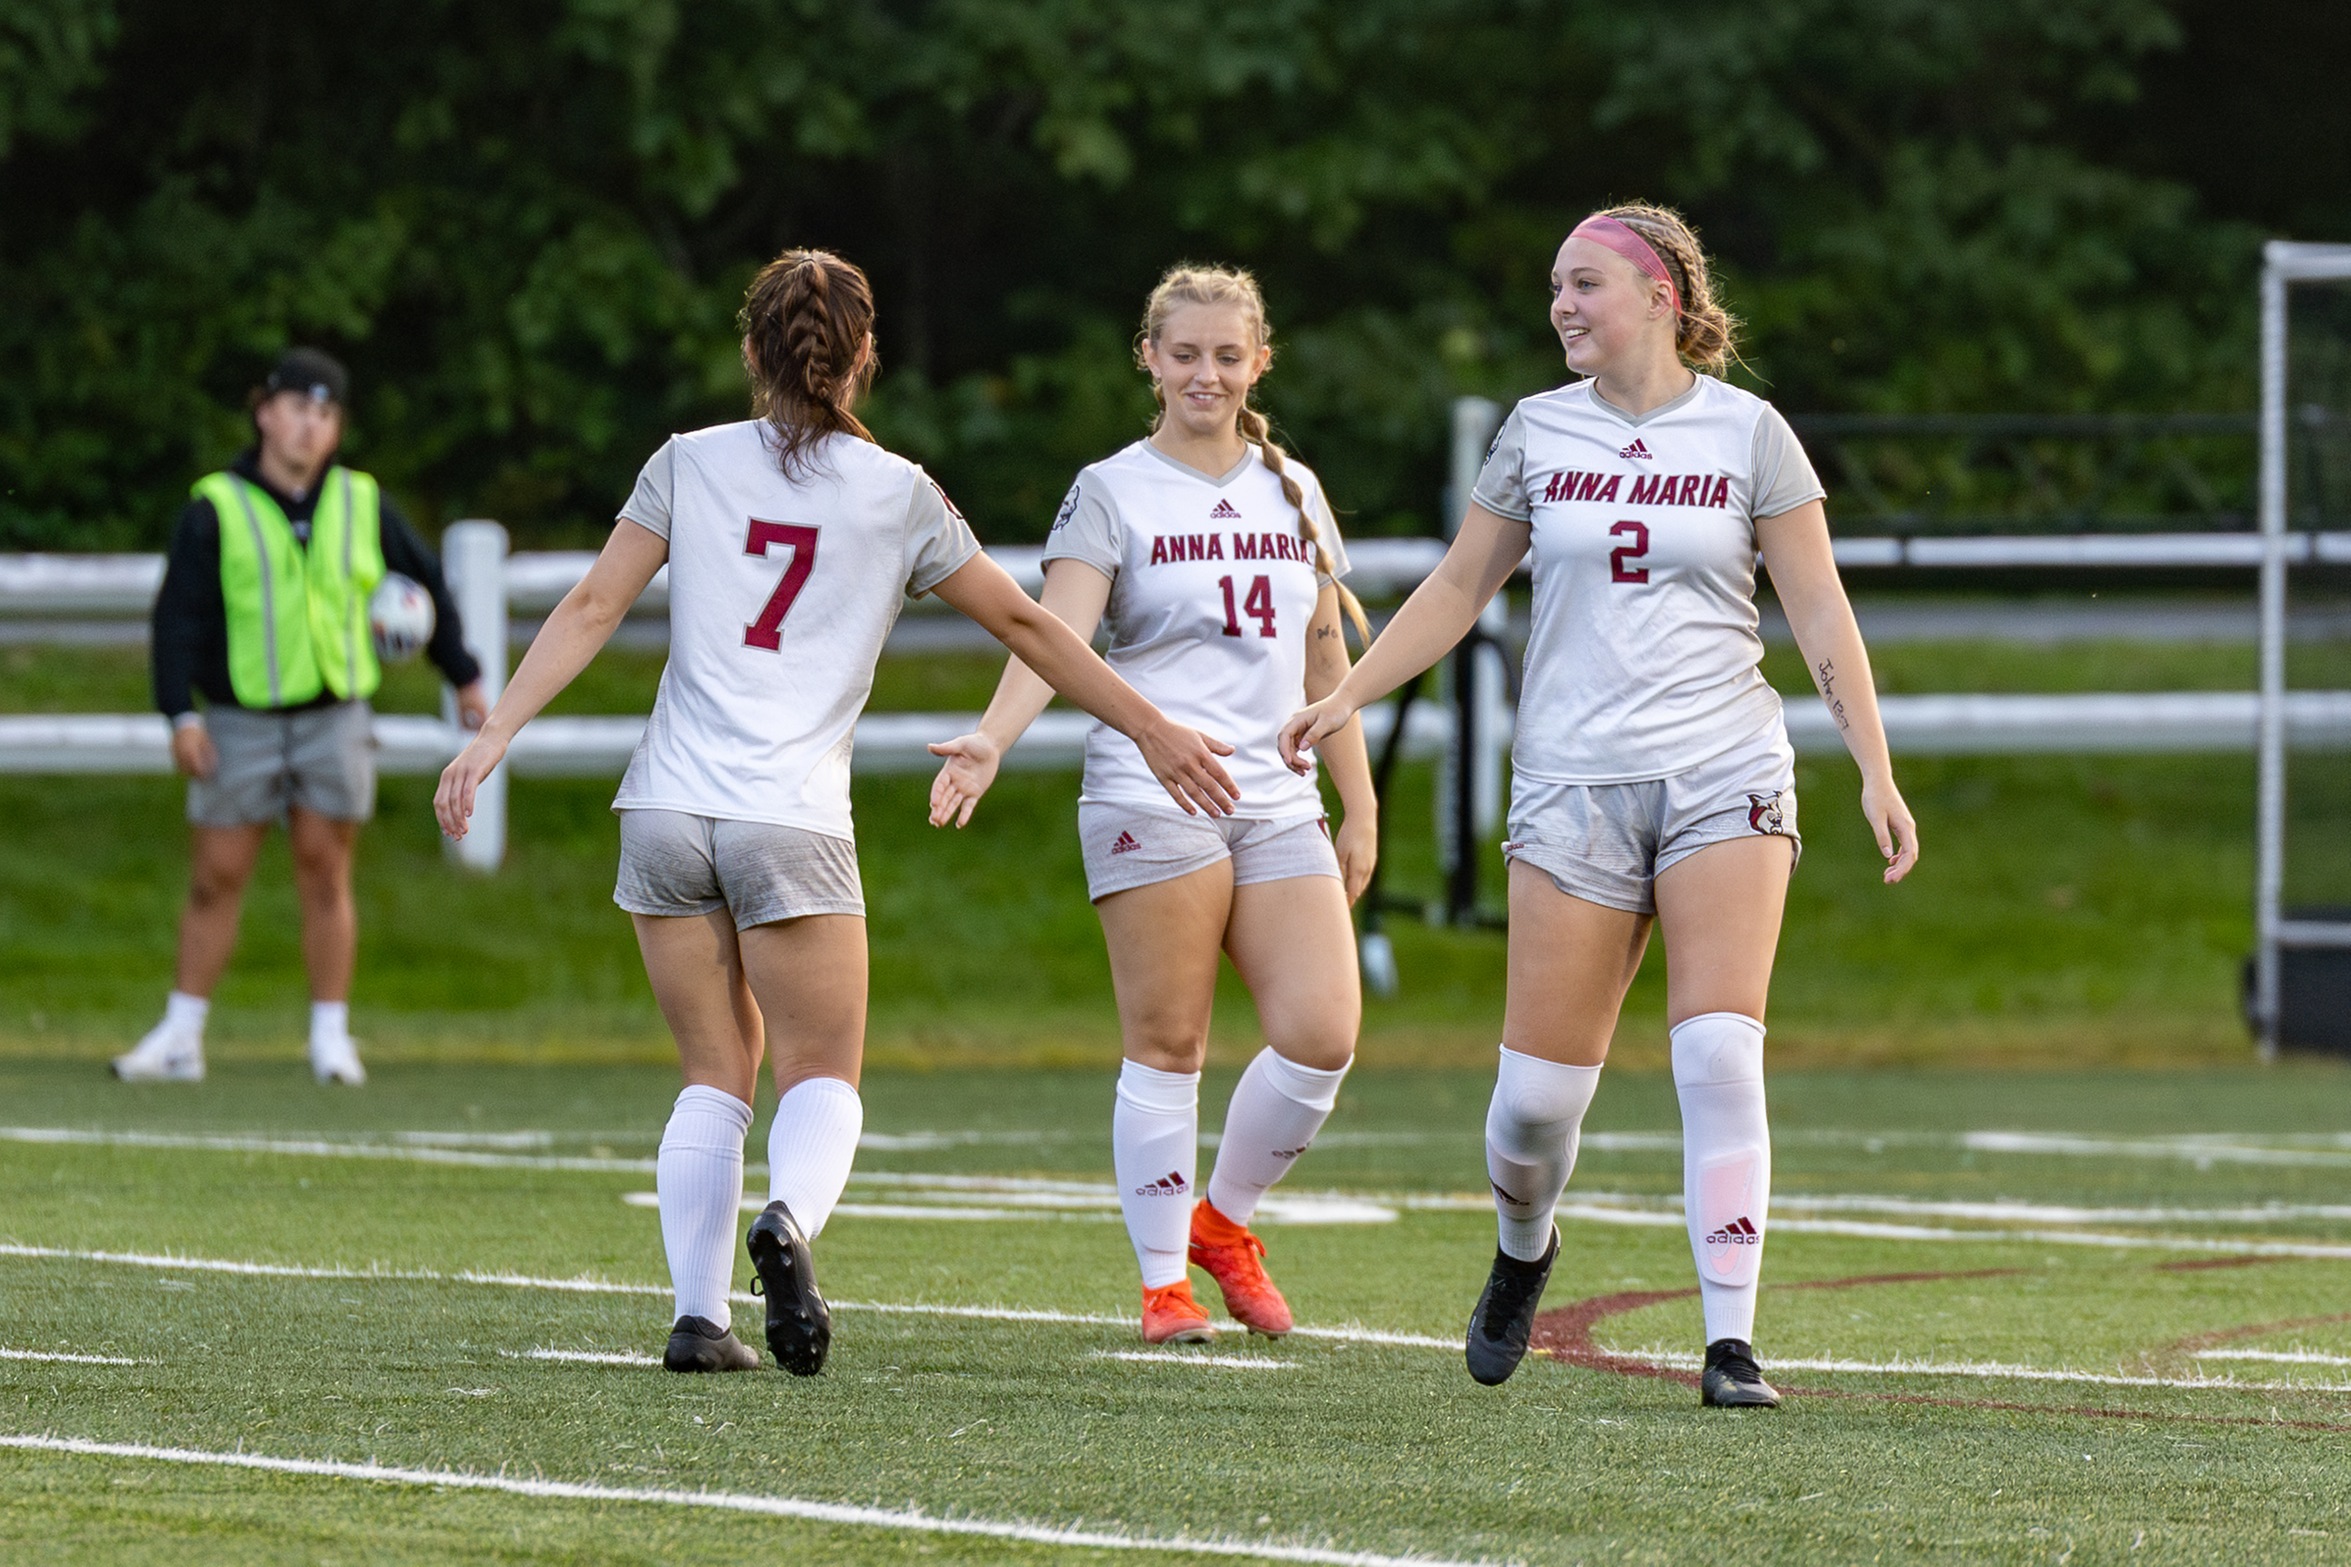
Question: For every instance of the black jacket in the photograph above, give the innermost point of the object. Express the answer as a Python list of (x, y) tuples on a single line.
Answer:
[(190, 644)]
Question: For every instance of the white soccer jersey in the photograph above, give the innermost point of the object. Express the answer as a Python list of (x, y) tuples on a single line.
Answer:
[(781, 592), (1212, 585), (1644, 652)]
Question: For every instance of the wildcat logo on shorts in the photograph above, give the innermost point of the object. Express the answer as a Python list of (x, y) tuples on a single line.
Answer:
[(1767, 813)]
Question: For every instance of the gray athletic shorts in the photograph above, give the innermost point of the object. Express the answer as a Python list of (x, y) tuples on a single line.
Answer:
[(1606, 843), (1131, 846), (321, 758), (677, 865)]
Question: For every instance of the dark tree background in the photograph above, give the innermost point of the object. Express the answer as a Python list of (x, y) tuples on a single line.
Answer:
[(527, 225)]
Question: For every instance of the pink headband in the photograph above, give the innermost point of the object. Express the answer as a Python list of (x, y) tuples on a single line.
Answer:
[(1627, 242)]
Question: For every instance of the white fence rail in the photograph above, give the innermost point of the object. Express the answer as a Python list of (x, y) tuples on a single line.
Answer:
[(2215, 721)]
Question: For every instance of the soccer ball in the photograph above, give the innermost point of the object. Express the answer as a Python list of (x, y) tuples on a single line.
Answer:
[(401, 616)]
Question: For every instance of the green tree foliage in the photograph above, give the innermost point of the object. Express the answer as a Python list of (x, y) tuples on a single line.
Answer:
[(527, 226)]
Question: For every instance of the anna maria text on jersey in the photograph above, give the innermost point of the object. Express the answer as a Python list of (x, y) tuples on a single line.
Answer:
[(1173, 548), (1647, 489)]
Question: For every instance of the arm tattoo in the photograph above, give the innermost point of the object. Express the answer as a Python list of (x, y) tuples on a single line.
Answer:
[(1827, 672), (1321, 632)]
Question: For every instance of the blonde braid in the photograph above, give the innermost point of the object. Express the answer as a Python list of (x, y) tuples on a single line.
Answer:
[(1254, 427), (1190, 285), (1706, 334)]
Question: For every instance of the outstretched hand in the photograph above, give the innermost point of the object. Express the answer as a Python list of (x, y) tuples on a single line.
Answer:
[(970, 768), (1310, 725), (453, 800), (1891, 822), (1185, 763)]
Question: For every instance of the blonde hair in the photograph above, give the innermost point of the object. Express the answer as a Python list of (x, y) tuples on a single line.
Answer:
[(1190, 285), (1704, 334)]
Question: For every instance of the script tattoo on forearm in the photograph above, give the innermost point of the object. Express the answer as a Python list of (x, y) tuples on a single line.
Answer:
[(1321, 632), (1828, 693)]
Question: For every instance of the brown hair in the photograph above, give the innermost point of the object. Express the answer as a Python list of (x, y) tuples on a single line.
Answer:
[(1704, 335), (1189, 285), (805, 320)]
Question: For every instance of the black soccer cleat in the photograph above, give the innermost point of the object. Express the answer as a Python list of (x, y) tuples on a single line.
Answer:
[(699, 1344), (1733, 1380), (799, 1323), (1505, 1316)]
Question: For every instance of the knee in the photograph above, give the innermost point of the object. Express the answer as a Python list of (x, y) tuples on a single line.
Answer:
[(1718, 1047), (322, 871), (213, 886), (1167, 1048)]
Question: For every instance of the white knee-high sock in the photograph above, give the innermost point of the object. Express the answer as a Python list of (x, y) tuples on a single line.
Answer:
[(1155, 1147), (699, 1178), (1726, 1163), (1277, 1108), (1533, 1124), (810, 1146)]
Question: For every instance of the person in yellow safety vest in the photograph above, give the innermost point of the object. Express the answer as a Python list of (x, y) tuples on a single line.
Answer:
[(264, 615)]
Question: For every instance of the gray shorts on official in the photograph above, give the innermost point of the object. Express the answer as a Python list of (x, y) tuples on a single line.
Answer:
[(1606, 843), (677, 865), (1129, 846), (320, 758)]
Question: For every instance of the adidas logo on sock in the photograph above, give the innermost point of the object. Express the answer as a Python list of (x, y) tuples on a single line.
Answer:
[(1738, 1232), (1223, 511), (1291, 1153), (1125, 845), (1515, 1202), (1169, 1185), (1635, 450)]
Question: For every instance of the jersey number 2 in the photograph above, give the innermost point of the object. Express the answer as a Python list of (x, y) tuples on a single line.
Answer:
[(1259, 605), (768, 630), (1621, 558)]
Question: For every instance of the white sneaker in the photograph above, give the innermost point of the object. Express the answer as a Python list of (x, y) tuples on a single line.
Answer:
[(166, 1055), (337, 1062)]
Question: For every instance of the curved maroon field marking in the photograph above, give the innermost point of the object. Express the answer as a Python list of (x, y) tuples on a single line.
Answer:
[(2206, 1264), (1565, 1334), (2219, 1336)]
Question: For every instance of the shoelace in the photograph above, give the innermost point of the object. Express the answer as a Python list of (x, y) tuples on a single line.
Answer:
[(1739, 1367), (1512, 1291)]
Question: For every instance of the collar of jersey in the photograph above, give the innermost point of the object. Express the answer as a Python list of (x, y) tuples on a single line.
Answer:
[(1248, 456), (1592, 390)]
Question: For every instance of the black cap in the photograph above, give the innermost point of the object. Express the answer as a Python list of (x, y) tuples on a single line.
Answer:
[(315, 375)]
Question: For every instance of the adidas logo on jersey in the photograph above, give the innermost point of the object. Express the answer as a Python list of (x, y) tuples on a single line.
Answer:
[(1223, 511), (1739, 1232), (1635, 450), (1125, 844), (1169, 1185)]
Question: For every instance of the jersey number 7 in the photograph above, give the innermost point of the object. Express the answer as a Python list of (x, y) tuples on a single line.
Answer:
[(768, 630)]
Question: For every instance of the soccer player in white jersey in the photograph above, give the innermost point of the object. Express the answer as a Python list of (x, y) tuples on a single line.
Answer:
[(1217, 562), (1653, 778), (791, 540)]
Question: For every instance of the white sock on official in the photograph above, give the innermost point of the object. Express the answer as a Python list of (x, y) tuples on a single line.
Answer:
[(810, 1147), (1277, 1108), (1533, 1125), (1726, 1163), (185, 1015), (1155, 1147), (699, 1179)]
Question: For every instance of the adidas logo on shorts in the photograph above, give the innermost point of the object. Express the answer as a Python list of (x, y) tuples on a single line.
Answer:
[(1125, 844), (1739, 1232), (1635, 450), (1223, 511), (1169, 1185)]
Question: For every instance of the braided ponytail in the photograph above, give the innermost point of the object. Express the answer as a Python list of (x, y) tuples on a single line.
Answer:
[(1189, 285), (1704, 336), (806, 321)]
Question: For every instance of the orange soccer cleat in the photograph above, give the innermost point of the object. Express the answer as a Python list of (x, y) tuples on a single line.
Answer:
[(1172, 1316), (1229, 1252)]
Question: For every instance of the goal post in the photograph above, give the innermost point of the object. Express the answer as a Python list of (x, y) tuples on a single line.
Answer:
[(2301, 981)]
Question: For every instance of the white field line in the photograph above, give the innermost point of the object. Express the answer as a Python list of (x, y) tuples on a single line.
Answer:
[(62, 1358), (905, 1520), (1987, 1370), (878, 1210), (472, 1150), (2292, 1357), (588, 1357), (1177, 1357), (1347, 1333)]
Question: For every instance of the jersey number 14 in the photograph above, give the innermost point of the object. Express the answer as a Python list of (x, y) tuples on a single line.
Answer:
[(1258, 605), (768, 630)]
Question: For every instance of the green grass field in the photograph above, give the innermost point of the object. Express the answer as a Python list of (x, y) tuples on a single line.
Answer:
[(2062, 1317)]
